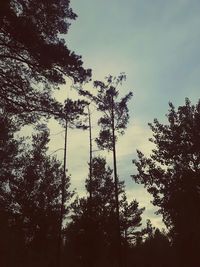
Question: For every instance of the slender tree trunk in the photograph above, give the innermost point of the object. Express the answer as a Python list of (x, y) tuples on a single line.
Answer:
[(90, 142), (118, 235), (60, 240), (90, 207)]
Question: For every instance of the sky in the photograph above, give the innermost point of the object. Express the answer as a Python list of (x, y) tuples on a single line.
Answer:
[(156, 43)]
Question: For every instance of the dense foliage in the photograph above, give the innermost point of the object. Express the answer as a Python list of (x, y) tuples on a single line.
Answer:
[(91, 236), (172, 175), (33, 57), (30, 199)]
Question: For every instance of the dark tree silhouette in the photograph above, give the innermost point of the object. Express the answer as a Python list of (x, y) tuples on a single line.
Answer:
[(130, 219), (91, 237), (33, 199), (72, 117), (113, 121), (172, 175), (33, 56), (152, 250), (9, 150)]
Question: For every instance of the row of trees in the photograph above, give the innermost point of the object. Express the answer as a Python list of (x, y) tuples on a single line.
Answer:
[(42, 221), (30, 199), (31, 202)]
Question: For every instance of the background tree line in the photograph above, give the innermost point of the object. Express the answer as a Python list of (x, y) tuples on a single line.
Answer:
[(42, 221)]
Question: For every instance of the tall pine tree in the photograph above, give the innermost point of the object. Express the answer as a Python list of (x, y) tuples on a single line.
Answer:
[(113, 121)]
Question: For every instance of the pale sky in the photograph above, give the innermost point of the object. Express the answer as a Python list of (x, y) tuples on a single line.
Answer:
[(156, 43)]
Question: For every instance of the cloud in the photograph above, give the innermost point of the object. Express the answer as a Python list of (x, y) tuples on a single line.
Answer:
[(156, 43), (136, 137)]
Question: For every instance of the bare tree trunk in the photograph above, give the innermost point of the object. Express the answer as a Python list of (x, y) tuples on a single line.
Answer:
[(116, 181), (90, 163), (60, 240)]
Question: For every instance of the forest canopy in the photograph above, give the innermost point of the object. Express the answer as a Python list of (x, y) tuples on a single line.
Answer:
[(44, 221), (34, 59)]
